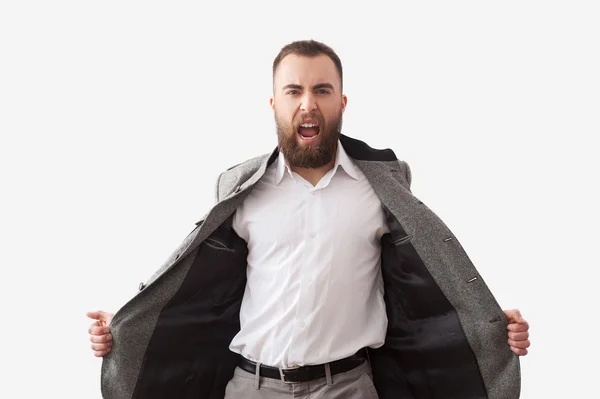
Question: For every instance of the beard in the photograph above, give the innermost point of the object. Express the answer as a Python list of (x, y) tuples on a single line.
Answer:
[(310, 156)]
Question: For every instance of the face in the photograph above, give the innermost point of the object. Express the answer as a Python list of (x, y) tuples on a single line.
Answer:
[(308, 106)]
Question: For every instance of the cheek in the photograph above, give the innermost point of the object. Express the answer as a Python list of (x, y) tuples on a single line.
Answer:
[(330, 105), (287, 114), (285, 119), (330, 110)]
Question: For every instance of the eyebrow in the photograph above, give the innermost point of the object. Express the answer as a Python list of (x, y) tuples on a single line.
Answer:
[(315, 87)]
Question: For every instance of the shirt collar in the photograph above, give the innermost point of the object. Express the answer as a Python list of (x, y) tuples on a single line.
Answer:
[(341, 159)]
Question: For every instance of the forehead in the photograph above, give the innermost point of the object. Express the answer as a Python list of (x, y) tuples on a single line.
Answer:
[(306, 71)]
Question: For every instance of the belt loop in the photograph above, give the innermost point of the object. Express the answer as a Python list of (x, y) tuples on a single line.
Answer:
[(257, 376), (328, 374)]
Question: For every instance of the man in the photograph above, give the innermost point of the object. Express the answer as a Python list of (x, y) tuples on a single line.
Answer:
[(317, 274)]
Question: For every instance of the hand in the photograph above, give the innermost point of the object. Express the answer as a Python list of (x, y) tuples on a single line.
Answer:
[(518, 332), (100, 332)]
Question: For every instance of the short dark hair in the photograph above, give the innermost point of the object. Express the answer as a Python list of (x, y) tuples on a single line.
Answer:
[(309, 48)]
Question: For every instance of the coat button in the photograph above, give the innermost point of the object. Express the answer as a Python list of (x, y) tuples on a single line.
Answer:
[(142, 286)]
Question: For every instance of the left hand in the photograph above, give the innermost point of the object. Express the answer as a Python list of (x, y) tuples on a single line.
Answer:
[(518, 332)]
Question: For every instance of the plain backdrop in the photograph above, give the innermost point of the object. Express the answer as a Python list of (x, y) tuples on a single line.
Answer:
[(116, 118)]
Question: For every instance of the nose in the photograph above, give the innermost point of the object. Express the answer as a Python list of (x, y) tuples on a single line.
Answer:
[(308, 102)]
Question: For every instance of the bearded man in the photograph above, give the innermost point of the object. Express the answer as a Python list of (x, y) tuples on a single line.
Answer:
[(317, 274)]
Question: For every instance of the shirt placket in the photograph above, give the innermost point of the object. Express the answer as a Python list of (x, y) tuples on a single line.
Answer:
[(305, 300)]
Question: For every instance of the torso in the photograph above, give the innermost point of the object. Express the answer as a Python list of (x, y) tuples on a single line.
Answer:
[(314, 289)]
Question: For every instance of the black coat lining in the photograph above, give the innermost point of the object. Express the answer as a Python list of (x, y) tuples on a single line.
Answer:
[(426, 354)]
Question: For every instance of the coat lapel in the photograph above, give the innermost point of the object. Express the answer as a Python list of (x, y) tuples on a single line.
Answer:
[(381, 178), (217, 216)]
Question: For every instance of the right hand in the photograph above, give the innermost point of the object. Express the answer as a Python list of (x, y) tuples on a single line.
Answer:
[(100, 332)]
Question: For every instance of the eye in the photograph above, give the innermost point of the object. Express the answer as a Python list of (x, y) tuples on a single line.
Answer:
[(322, 91), (292, 92)]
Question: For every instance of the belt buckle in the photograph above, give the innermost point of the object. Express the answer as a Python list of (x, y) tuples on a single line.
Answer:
[(282, 374)]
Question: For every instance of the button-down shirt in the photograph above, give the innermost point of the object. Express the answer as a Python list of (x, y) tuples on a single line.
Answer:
[(314, 290)]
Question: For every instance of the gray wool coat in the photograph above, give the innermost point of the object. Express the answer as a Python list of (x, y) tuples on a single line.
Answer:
[(446, 334)]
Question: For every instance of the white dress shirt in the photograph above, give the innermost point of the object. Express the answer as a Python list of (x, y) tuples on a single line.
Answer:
[(314, 292)]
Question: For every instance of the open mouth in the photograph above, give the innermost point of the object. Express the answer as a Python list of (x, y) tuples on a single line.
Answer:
[(308, 131)]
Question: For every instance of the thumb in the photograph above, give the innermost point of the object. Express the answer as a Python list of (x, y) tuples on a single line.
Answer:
[(99, 315), (514, 316)]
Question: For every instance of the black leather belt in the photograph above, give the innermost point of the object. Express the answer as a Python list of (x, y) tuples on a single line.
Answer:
[(306, 373)]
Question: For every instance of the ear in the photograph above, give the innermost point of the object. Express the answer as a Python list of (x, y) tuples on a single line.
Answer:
[(272, 103), (344, 102)]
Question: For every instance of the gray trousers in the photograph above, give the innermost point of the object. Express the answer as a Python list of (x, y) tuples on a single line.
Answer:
[(353, 384)]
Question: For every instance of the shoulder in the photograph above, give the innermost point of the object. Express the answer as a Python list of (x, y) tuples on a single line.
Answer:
[(405, 171), (237, 174), (360, 151)]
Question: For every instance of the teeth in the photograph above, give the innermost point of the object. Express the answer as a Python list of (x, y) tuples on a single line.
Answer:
[(308, 125), (306, 138)]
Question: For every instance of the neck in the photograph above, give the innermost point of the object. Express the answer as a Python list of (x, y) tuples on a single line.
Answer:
[(314, 175)]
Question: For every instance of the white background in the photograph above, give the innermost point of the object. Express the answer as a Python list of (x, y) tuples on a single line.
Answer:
[(117, 117)]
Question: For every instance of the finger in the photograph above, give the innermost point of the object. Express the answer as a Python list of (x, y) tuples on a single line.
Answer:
[(101, 347), (99, 339), (518, 327), (518, 351), (97, 330), (101, 353), (519, 344), (518, 336)]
